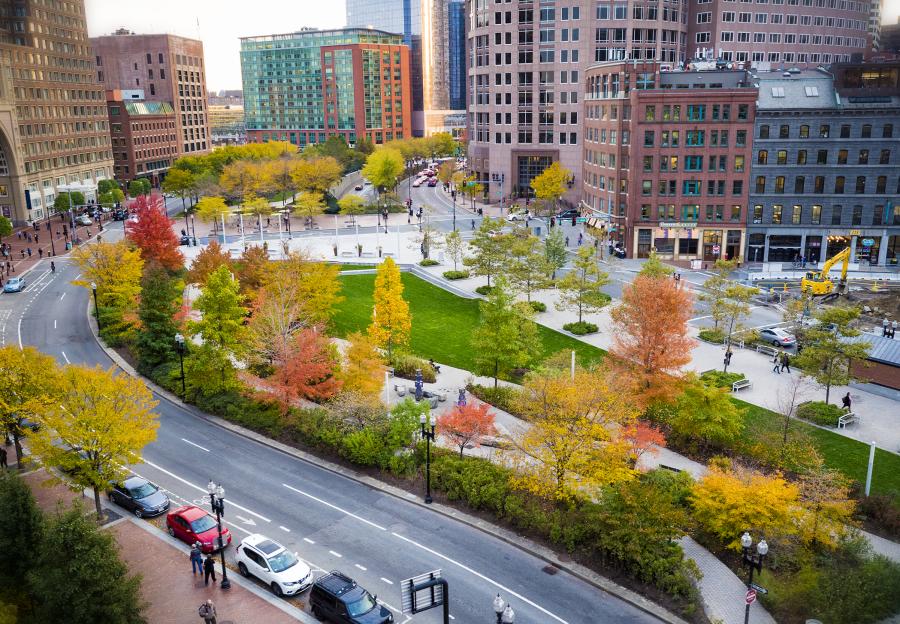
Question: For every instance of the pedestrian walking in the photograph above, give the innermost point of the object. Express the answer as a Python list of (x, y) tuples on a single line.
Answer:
[(19, 235), (36, 239), (786, 362), (23, 253), (846, 401), (776, 361), (52, 267), (208, 612), (728, 357), (580, 238), (567, 241), (196, 559), (884, 327), (3, 458), (29, 252), (209, 569), (41, 252)]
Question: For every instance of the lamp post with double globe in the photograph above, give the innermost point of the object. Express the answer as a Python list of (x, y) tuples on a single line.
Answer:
[(179, 346), (217, 501), (753, 562), (503, 611)]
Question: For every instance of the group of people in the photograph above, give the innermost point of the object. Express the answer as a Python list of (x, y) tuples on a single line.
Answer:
[(207, 568), (888, 328), (781, 362)]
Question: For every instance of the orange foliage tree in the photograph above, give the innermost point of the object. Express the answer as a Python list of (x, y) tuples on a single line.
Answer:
[(153, 234), (208, 260), (643, 438), (467, 424), (651, 338), (304, 370)]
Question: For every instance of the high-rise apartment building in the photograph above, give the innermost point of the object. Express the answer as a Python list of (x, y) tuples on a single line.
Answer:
[(167, 68), (431, 29), (306, 86), (53, 126), (666, 158)]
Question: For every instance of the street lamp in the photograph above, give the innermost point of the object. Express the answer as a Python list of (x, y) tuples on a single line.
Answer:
[(179, 346), (509, 616), (429, 438), (753, 562), (96, 307), (217, 501)]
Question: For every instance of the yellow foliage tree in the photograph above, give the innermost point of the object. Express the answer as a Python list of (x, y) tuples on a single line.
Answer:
[(391, 321), (243, 177), (259, 207), (551, 184), (27, 387), (728, 502), (574, 442), (382, 168), (352, 205), (308, 205), (827, 508), (115, 269), (212, 210), (100, 423), (363, 369), (316, 175)]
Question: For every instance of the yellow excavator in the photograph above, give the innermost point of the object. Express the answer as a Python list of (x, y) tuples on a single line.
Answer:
[(818, 283)]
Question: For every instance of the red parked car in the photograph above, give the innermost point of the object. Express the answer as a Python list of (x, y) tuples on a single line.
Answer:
[(433, 182), (191, 524)]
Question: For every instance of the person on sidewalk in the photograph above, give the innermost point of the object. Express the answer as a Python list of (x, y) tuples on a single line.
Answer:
[(52, 267), (209, 569), (893, 329), (3, 463), (728, 357), (208, 612), (846, 402), (776, 361), (196, 559), (785, 363), (884, 327)]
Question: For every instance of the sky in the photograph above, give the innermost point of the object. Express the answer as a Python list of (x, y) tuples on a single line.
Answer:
[(221, 24)]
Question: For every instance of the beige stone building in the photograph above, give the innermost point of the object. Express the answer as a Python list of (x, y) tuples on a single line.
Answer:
[(54, 131)]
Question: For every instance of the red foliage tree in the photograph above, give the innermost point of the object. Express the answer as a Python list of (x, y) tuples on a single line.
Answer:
[(304, 370), (153, 233), (467, 424), (643, 438)]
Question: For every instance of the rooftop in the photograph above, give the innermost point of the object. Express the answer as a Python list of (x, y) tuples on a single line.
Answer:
[(883, 350), (149, 108), (796, 89), (315, 32)]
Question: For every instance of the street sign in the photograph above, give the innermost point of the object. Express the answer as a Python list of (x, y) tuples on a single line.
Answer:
[(581, 220), (759, 589), (414, 598), (751, 596)]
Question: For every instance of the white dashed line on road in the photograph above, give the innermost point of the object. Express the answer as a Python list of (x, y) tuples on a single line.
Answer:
[(336, 554), (308, 541), (62, 296), (335, 507), (388, 581), (54, 323), (284, 528), (65, 357), (363, 568), (202, 448)]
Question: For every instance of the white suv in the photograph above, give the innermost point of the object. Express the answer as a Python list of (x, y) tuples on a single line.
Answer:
[(273, 564)]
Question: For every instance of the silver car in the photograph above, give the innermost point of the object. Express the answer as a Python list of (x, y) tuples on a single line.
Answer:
[(778, 337)]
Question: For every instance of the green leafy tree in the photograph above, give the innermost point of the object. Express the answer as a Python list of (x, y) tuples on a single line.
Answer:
[(829, 354), (106, 185), (706, 414), (528, 267), (551, 184), (352, 205), (220, 303), (581, 288), (21, 524), (491, 248), (160, 303), (138, 186), (383, 167), (654, 268), (65, 201), (715, 290), (440, 144), (112, 197), (506, 337), (555, 251), (454, 245), (6, 227), (179, 182), (79, 576)]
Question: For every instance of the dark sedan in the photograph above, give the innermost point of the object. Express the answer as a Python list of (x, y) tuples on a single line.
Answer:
[(140, 497)]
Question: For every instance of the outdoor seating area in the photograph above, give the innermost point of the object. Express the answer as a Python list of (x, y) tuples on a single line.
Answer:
[(740, 384), (847, 419)]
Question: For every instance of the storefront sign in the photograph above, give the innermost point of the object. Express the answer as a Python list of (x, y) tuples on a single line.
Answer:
[(868, 242), (854, 232), (676, 225)]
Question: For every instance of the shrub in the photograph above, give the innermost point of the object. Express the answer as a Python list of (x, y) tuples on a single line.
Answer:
[(716, 336), (405, 366), (484, 290), (820, 413), (538, 306), (501, 397), (428, 262), (882, 510), (718, 379), (580, 328), (456, 275), (479, 483)]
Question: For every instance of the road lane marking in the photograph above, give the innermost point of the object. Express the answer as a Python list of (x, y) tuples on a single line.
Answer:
[(388, 581), (336, 554), (202, 448), (62, 296), (308, 541), (284, 528), (481, 576), (202, 489), (335, 507), (65, 357), (363, 568), (54, 323), (19, 328)]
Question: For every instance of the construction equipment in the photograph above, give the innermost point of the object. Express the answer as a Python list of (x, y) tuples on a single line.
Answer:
[(818, 283)]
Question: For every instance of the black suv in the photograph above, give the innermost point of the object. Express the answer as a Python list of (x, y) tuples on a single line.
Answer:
[(337, 598)]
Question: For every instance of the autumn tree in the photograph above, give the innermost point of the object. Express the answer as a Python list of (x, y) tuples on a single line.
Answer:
[(715, 290), (555, 252), (100, 424), (653, 267), (490, 249), (445, 172), (551, 184), (391, 321), (727, 503), (506, 337), (160, 304), (308, 205), (208, 260), (221, 325), (363, 367), (827, 508), (831, 350), (581, 290), (454, 245), (651, 333), (465, 425), (241, 178), (383, 167), (115, 269), (252, 269), (642, 439), (528, 269), (706, 414), (351, 206), (258, 207), (179, 182), (572, 444), (212, 210), (305, 370), (27, 391), (280, 172), (153, 233), (316, 175)]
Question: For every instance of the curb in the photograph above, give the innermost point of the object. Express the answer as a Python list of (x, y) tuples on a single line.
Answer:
[(509, 537)]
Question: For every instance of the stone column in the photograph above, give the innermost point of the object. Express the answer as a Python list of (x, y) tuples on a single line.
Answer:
[(766, 249), (853, 240), (882, 250)]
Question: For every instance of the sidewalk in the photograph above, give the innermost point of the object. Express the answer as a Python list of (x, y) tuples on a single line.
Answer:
[(172, 593)]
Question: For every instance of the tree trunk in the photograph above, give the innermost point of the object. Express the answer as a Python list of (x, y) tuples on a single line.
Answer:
[(97, 505), (496, 372), (17, 443)]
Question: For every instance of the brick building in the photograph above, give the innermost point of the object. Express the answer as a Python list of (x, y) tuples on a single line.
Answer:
[(144, 136), (306, 86), (168, 69), (666, 158)]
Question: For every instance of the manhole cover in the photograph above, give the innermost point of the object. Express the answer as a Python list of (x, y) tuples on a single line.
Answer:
[(549, 569)]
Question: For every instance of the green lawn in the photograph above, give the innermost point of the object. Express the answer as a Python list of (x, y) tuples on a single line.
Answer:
[(839, 452), (442, 323)]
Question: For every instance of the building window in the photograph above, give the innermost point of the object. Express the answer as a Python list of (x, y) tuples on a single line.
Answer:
[(735, 212), (881, 185), (822, 157), (779, 184), (799, 183), (784, 131), (776, 214), (782, 157), (760, 184), (796, 214), (650, 113), (842, 157), (815, 214), (845, 131), (764, 131), (885, 158), (819, 185), (839, 185), (824, 131), (801, 157), (737, 187), (887, 131), (649, 138), (804, 132), (739, 163), (836, 212), (857, 215), (866, 131), (860, 185), (757, 213), (762, 158), (863, 157)]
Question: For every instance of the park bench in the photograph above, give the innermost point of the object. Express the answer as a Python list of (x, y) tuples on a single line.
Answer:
[(347, 254), (740, 384), (847, 419), (368, 254), (766, 349)]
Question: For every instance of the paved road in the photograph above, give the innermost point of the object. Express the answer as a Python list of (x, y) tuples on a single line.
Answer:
[(331, 521)]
